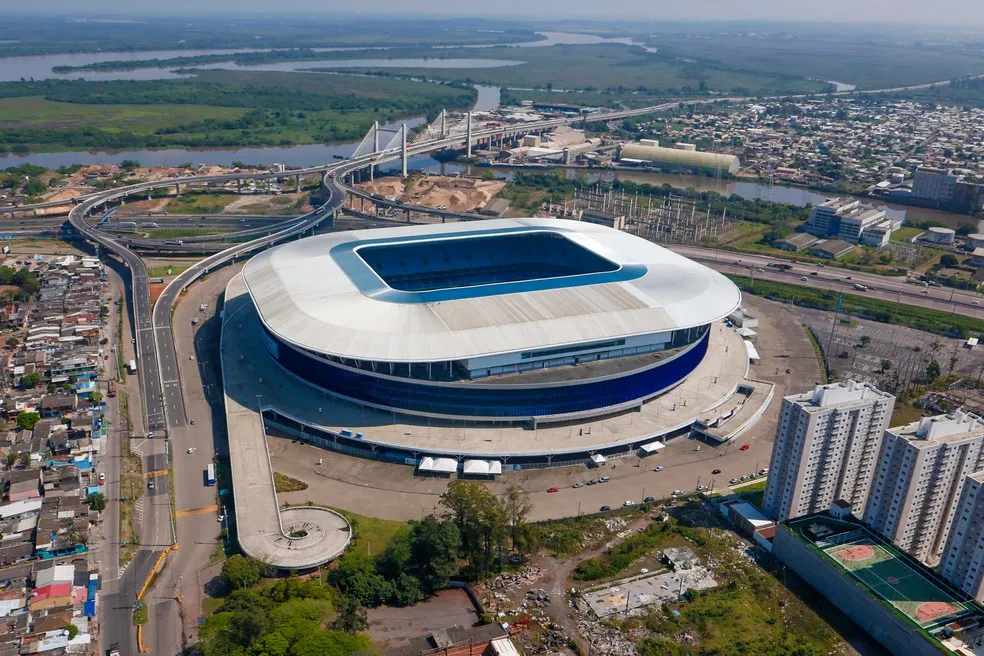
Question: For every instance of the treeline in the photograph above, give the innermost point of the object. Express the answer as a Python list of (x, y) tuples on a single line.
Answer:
[(758, 211)]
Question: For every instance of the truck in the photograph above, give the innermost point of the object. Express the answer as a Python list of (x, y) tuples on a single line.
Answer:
[(173, 242), (111, 392), (132, 367), (194, 321), (861, 288)]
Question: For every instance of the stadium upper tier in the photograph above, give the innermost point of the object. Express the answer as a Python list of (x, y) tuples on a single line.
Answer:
[(466, 290), (507, 318)]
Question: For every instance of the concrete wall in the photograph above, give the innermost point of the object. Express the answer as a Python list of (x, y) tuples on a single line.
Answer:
[(880, 622)]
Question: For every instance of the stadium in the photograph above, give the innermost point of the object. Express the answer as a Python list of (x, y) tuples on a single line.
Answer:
[(515, 321)]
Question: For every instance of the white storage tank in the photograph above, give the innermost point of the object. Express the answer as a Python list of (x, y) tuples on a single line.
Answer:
[(940, 235), (975, 240)]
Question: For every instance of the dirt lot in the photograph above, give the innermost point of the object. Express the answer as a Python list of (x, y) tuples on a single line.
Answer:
[(462, 194), (390, 626)]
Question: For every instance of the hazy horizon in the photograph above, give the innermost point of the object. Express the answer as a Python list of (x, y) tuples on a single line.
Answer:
[(903, 12)]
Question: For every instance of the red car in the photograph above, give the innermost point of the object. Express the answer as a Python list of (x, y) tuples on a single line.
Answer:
[(554, 489), (745, 447)]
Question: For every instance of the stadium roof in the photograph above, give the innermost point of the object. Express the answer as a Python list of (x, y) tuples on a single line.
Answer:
[(315, 295)]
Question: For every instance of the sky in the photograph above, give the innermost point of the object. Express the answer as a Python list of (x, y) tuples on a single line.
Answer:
[(962, 12)]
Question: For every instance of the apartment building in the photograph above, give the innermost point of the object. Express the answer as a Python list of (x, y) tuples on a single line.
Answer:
[(918, 479), (962, 563), (826, 447)]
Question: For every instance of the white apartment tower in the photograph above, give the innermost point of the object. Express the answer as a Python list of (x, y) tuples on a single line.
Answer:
[(921, 471), (827, 444), (963, 557)]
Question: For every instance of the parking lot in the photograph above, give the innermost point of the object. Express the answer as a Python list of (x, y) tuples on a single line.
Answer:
[(907, 351)]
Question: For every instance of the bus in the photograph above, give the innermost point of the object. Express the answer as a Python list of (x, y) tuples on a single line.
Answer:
[(210, 475)]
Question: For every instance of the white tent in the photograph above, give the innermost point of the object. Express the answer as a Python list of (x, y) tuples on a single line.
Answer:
[(753, 353), (598, 459), (495, 467), (426, 464), (479, 467), (653, 447), (446, 465)]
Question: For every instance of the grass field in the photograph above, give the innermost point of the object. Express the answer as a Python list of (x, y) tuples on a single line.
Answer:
[(894, 581), (161, 271), (212, 203), (35, 112), (905, 232)]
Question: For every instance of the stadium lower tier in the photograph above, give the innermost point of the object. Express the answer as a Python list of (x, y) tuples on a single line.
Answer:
[(491, 402)]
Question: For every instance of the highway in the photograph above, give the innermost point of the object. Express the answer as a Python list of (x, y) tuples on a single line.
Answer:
[(885, 288)]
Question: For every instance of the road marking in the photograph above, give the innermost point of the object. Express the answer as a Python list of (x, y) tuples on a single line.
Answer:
[(196, 511), (158, 472)]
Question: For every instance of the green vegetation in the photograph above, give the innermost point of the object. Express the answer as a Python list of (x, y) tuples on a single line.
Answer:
[(96, 501), (27, 420), (161, 271), (753, 493), (821, 357), (131, 487), (920, 318), (32, 379), (618, 558), (284, 483), (178, 233), (626, 73), (370, 534), (240, 572), (140, 614), (287, 618), (199, 203), (214, 108), (906, 232)]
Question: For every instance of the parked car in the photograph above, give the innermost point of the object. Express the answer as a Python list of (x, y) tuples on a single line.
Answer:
[(150, 485), (649, 500), (553, 489), (658, 468), (745, 447), (716, 471), (677, 492), (605, 508), (702, 488), (763, 471), (102, 476), (578, 485), (604, 479), (629, 503), (734, 480), (592, 482)]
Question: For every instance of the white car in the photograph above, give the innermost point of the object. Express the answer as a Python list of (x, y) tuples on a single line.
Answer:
[(677, 492), (102, 476), (629, 503), (192, 450)]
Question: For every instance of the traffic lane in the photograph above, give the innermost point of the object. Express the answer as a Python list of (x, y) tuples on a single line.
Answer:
[(895, 284), (875, 289)]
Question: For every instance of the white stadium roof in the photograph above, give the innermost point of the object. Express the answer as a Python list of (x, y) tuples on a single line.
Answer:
[(308, 298)]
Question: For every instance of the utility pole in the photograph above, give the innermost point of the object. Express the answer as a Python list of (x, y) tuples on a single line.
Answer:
[(404, 150), (469, 136)]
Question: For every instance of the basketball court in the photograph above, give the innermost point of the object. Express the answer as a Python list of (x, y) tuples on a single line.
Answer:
[(893, 580)]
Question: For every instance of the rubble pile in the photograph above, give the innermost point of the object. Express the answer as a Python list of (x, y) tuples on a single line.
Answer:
[(604, 641), (526, 575)]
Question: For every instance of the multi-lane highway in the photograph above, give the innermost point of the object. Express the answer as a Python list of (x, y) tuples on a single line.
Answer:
[(885, 288)]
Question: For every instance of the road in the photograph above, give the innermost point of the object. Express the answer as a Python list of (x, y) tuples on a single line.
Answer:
[(881, 287)]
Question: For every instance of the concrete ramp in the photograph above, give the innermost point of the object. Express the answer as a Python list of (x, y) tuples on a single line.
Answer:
[(293, 538)]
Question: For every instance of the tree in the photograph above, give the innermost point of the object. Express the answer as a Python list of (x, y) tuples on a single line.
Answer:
[(865, 340), (351, 616), (13, 342), (434, 547), (516, 506), (356, 577), (32, 379), (480, 520), (97, 501), (240, 572), (27, 420), (949, 260), (886, 365), (933, 370), (72, 631), (95, 398)]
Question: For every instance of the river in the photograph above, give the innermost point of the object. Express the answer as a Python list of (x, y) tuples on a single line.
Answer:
[(39, 67)]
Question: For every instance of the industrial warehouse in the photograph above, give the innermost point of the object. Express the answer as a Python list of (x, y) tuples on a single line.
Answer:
[(481, 346)]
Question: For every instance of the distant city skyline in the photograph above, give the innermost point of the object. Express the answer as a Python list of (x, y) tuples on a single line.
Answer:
[(955, 12)]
